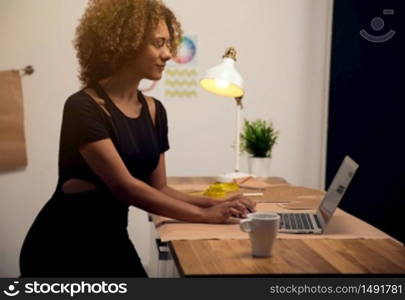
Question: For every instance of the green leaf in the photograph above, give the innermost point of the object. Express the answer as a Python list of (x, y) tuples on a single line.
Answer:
[(258, 138)]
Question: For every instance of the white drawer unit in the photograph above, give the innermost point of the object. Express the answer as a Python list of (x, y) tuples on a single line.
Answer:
[(161, 263)]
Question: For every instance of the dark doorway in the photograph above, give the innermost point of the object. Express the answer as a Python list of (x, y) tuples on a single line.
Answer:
[(367, 109)]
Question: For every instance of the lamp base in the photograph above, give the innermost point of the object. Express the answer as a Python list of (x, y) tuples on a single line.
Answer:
[(229, 177)]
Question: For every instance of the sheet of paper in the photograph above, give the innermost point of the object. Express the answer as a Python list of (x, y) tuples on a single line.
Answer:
[(342, 226), (12, 138)]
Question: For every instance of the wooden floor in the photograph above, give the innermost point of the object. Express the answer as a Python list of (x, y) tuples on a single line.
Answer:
[(309, 256)]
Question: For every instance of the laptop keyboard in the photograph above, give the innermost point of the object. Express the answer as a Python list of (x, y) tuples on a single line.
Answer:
[(295, 221)]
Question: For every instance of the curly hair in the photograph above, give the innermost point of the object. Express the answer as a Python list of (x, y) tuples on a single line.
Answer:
[(112, 31)]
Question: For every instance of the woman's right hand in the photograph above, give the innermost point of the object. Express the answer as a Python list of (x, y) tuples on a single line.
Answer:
[(221, 212)]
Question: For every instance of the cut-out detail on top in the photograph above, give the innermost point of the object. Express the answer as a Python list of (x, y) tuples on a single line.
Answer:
[(100, 102)]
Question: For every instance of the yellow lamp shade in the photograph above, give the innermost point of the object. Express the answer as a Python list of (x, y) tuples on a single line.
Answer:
[(224, 80), (222, 89)]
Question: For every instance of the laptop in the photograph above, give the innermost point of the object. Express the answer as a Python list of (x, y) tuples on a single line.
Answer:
[(317, 222)]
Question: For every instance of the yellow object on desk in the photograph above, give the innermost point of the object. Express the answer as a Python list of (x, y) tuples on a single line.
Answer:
[(220, 190)]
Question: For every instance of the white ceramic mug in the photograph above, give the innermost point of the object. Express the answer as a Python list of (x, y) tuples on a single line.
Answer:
[(262, 228)]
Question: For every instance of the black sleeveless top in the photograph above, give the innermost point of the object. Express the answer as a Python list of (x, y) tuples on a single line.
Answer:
[(85, 234), (137, 140)]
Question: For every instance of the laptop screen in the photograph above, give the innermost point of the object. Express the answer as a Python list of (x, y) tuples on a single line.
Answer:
[(336, 190)]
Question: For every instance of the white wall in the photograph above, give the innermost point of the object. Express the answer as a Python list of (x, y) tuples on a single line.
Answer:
[(283, 50)]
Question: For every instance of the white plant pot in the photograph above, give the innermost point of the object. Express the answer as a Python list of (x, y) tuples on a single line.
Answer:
[(259, 166)]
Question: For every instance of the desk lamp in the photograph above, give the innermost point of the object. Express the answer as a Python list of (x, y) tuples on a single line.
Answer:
[(224, 80)]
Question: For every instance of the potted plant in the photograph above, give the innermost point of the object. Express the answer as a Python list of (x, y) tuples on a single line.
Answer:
[(257, 139)]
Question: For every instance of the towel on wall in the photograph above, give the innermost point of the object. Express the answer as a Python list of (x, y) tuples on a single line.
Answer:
[(12, 139)]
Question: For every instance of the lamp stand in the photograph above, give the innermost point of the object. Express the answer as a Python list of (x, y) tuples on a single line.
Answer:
[(229, 177)]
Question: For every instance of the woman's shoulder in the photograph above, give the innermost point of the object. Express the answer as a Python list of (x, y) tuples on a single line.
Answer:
[(155, 105), (159, 105), (152, 100), (81, 104), (80, 100)]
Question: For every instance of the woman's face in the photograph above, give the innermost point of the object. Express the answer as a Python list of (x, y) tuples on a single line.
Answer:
[(152, 58)]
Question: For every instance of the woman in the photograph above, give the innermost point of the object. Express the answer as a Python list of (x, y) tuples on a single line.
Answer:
[(112, 148)]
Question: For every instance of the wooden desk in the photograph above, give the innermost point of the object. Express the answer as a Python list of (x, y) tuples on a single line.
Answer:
[(318, 256), (297, 255)]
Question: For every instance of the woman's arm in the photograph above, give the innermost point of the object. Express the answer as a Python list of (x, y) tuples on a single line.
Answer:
[(158, 180), (104, 160), (201, 201)]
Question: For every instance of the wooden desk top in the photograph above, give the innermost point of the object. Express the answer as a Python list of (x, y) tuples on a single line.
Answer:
[(292, 255), (326, 256), (342, 225)]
